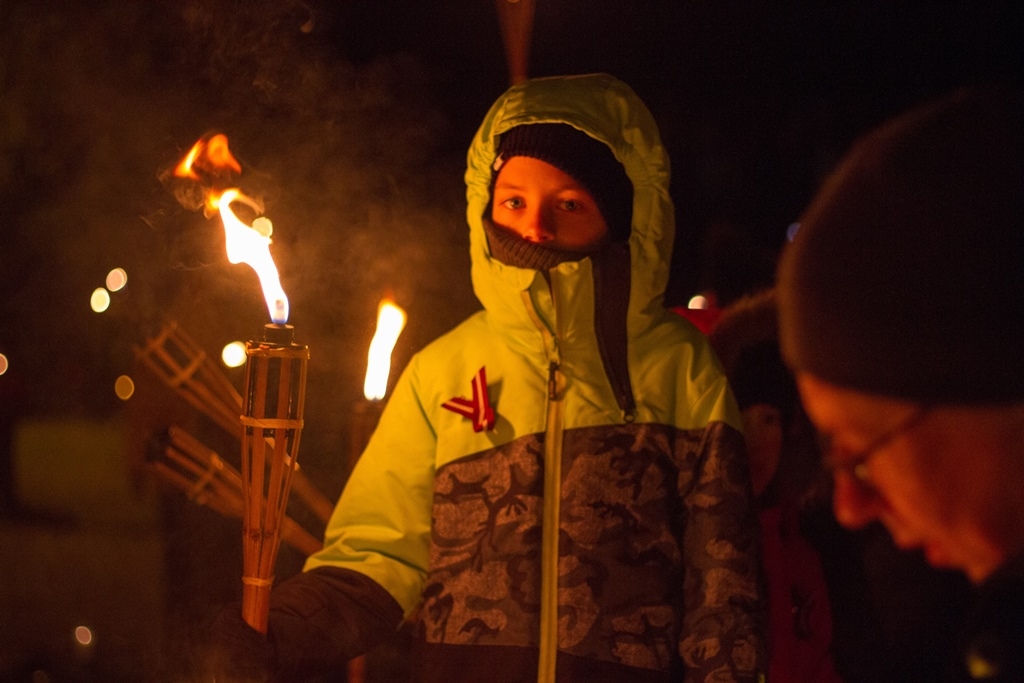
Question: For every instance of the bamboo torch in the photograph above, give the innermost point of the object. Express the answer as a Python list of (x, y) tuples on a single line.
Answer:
[(275, 380), (390, 323), (516, 19), (366, 411), (272, 408), (273, 399)]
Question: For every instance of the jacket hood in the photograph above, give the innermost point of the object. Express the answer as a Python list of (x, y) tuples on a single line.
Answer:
[(608, 110)]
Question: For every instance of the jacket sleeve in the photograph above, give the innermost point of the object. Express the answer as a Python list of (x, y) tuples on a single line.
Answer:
[(380, 527), (725, 619)]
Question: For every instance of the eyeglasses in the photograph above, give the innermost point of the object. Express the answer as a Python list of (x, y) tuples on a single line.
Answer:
[(856, 465)]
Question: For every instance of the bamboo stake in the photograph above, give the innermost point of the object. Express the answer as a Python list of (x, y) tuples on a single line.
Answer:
[(516, 19), (253, 469), (183, 366), (207, 480)]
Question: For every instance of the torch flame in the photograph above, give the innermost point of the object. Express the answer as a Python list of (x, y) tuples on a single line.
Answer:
[(208, 154), (211, 164), (184, 167), (249, 245), (390, 322)]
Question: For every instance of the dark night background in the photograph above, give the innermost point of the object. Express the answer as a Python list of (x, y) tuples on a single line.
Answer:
[(351, 120)]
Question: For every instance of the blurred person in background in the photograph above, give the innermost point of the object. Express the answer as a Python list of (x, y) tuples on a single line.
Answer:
[(901, 302), (887, 617), (745, 337)]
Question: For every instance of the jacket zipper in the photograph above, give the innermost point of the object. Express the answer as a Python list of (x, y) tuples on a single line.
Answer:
[(552, 499), (550, 529)]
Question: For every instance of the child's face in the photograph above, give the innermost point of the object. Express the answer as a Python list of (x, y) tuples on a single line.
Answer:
[(543, 204), (762, 426)]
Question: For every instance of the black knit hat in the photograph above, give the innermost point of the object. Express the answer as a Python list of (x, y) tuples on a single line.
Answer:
[(745, 339), (590, 162), (906, 278), (760, 376)]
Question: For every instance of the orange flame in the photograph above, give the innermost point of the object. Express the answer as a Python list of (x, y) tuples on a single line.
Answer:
[(251, 245), (210, 155), (390, 322), (211, 164)]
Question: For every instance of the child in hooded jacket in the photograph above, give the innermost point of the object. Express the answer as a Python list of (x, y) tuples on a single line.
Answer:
[(557, 488)]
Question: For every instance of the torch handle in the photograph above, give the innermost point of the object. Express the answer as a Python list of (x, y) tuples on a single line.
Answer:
[(275, 388), (256, 602)]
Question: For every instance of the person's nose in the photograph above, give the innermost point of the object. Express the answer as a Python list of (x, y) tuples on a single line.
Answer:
[(855, 505), (539, 227)]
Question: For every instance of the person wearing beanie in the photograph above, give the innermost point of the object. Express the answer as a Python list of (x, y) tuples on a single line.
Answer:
[(557, 488), (900, 304), (800, 616)]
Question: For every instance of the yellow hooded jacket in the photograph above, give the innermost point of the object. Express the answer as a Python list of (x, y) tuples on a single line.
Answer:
[(602, 527)]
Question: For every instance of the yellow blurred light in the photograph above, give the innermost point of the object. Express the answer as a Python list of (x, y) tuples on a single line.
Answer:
[(3, 364), (116, 279), (233, 354), (83, 635), (698, 302), (124, 387), (100, 299)]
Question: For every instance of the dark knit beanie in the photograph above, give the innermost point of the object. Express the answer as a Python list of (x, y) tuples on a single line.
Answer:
[(906, 276), (760, 376), (745, 339), (590, 162)]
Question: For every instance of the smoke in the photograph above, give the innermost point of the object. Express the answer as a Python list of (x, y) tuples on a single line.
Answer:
[(355, 164)]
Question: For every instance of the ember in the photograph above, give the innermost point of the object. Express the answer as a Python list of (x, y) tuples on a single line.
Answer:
[(211, 156)]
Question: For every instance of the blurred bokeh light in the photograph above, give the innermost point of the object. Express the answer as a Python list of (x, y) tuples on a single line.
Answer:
[(124, 387), (233, 354), (100, 300), (83, 635), (117, 279)]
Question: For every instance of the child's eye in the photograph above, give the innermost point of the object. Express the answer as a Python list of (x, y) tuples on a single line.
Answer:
[(513, 203), (570, 204)]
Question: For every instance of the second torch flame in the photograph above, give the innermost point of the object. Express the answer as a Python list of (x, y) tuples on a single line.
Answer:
[(390, 322)]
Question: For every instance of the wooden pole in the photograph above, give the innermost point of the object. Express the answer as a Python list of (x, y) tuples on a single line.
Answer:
[(363, 420), (516, 19)]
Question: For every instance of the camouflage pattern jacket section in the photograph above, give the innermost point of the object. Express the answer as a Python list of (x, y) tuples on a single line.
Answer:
[(636, 501)]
